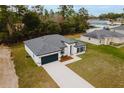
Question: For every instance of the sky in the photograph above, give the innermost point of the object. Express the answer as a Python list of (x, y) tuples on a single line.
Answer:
[(93, 9)]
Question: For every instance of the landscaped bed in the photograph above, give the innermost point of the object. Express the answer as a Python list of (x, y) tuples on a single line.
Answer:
[(30, 75), (65, 58)]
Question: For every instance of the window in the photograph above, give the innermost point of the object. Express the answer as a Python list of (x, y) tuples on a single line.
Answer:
[(62, 51), (80, 49)]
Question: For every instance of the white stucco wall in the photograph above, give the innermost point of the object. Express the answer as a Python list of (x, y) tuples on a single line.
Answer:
[(36, 59), (92, 40), (107, 40), (74, 50), (67, 50)]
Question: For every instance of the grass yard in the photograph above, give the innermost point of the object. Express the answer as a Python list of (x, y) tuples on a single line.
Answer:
[(30, 75), (102, 66)]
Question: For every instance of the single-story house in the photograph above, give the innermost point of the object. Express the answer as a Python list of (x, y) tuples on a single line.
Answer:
[(119, 29), (99, 23), (103, 37), (120, 20), (51, 48)]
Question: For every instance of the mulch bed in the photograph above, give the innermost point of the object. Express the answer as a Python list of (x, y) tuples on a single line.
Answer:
[(65, 58)]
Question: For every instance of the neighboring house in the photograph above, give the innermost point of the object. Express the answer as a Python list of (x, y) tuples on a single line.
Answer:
[(103, 37), (99, 23), (50, 48), (120, 20), (119, 29)]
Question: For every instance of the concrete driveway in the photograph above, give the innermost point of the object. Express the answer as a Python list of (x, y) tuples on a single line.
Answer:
[(65, 77)]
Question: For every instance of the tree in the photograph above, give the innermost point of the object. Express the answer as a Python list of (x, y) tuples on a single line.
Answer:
[(67, 28), (31, 21), (42, 28), (53, 28), (112, 16), (21, 10), (79, 20), (66, 10), (38, 21), (83, 13), (38, 9), (6, 17), (51, 13), (46, 13)]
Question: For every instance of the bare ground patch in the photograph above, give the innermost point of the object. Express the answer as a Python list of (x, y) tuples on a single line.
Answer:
[(8, 77)]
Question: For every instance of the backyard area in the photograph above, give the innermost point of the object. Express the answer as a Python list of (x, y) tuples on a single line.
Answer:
[(102, 66), (30, 75)]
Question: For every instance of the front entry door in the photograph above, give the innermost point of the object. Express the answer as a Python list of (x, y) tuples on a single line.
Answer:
[(70, 50)]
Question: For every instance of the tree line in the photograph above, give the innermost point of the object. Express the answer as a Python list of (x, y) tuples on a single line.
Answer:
[(111, 16), (21, 22)]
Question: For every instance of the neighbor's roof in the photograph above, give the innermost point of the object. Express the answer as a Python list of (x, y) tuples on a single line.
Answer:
[(98, 21), (121, 27), (47, 44), (100, 34)]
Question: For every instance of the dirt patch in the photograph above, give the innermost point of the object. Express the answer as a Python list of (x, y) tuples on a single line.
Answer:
[(8, 77), (74, 35)]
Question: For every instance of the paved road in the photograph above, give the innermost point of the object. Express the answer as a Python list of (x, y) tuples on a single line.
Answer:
[(65, 77)]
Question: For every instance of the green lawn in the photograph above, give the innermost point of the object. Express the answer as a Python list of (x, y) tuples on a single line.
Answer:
[(102, 66), (29, 74)]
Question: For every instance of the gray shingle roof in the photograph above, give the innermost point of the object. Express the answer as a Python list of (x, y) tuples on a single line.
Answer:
[(47, 44), (100, 34), (98, 22), (121, 27)]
